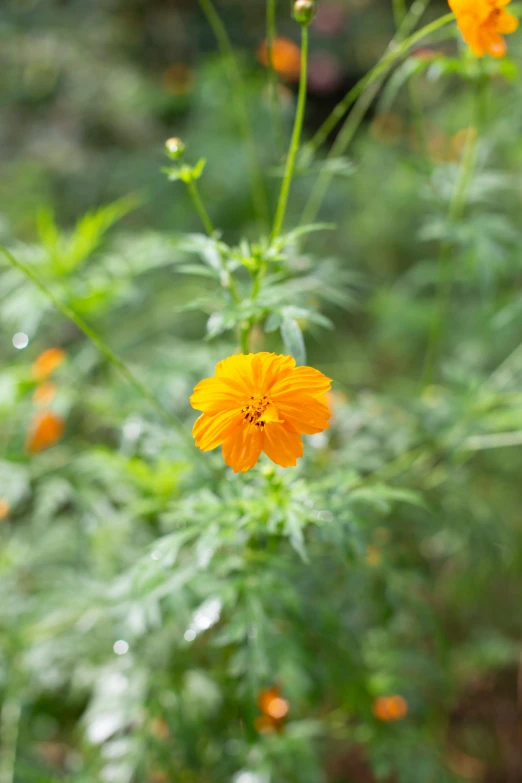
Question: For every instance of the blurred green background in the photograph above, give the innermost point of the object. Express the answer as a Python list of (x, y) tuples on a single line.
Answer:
[(145, 610)]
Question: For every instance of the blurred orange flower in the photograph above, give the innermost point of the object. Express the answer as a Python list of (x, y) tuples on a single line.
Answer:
[(46, 430), (286, 58), (274, 709), (483, 23), (47, 363), (4, 509), (390, 708), (44, 394)]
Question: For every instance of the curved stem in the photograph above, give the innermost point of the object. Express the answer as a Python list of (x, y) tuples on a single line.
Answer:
[(10, 726), (399, 12), (259, 197), (363, 94), (104, 349), (296, 138), (396, 49), (210, 229), (200, 207)]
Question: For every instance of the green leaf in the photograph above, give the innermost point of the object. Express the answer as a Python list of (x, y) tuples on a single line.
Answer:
[(293, 340)]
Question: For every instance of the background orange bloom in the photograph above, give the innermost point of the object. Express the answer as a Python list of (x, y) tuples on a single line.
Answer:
[(286, 58), (46, 430), (390, 708), (47, 363)]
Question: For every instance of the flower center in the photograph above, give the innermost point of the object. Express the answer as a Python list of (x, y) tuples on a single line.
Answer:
[(254, 410)]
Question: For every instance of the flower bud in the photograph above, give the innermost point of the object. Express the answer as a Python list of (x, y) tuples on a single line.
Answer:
[(174, 148), (304, 11)]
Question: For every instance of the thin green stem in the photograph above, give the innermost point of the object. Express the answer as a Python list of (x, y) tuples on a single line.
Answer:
[(104, 349), (399, 12), (271, 32), (259, 197), (210, 229), (10, 726), (343, 140), (362, 95), (244, 337), (396, 49), (200, 207), (295, 140)]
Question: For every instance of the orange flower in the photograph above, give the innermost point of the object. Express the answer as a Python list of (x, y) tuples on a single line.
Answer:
[(260, 402), (286, 58), (483, 23), (44, 394), (47, 363), (272, 704), (4, 509), (274, 708), (46, 430), (390, 708)]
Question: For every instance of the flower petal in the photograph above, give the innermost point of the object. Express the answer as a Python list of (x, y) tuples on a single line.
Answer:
[(211, 431), (506, 23), (242, 448), (304, 413), (284, 446), (301, 379), (236, 372), (268, 368), (211, 396), (496, 45)]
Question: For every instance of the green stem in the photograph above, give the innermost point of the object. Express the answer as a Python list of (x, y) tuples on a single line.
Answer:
[(343, 140), (296, 138), (200, 207), (399, 12), (210, 229), (259, 197), (245, 334), (10, 724), (104, 349), (272, 76), (363, 94), (396, 49), (444, 286)]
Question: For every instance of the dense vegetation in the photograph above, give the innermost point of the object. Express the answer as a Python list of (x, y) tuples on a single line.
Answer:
[(356, 618)]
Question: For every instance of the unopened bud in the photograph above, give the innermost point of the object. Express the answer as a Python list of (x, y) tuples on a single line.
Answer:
[(175, 148), (304, 11)]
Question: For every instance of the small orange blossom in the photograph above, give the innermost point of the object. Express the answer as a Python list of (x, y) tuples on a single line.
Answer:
[(390, 708), (4, 509), (274, 708), (47, 363), (46, 430), (286, 58), (260, 402), (483, 23)]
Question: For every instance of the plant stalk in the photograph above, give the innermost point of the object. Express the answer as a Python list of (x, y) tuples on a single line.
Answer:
[(296, 138)]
